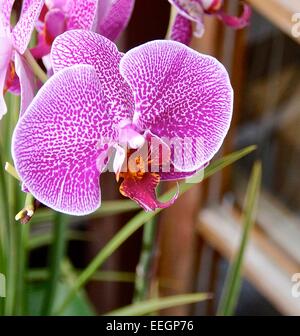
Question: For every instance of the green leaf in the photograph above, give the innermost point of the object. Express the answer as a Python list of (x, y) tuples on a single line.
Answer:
[(142, 279), (142, 217), (232, 286), (107, 208), (56, 255), (79, 306), (153, 305), (42, 274)]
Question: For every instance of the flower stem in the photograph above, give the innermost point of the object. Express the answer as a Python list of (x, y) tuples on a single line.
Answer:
[(4, 220), (37, 70), (56, 256), (142, 270), (28, 209)]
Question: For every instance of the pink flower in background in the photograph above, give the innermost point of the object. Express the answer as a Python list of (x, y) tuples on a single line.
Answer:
[(102, 106), (194, 10), (112, 17), (107, 17), (15, 75)]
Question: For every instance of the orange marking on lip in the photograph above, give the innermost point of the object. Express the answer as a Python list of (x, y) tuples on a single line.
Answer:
[(10, 75)]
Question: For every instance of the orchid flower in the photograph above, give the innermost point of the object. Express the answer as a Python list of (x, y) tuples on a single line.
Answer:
[(107, 17), (15, 74), (102, 106), (194, 10)]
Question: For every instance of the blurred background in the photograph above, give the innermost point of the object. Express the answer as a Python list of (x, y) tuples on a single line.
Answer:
[(197, 237)]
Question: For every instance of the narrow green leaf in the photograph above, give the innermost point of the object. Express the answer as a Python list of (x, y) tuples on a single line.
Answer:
[(138, 220), (153, 305), (108, 208), (142, 281), (232, 286), (42, 274)]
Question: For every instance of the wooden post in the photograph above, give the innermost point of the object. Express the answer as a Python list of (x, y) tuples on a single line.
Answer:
[(179, 246)]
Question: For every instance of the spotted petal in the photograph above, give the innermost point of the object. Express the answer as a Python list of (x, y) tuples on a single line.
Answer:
[(82, 14), (59, 140), (182, 96), (5, 12), (22, 31), (84, 47), (182, 30), (113, 17)]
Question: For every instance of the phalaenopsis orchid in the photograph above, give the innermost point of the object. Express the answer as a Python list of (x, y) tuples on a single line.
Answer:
[(159, 112)]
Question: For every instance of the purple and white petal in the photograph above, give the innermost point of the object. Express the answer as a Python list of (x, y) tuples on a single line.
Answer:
[(113, 17), (57, 142), (190, 9), (82, 14), (21, 33), (27, 82), (183, 97), (5, 12), (129, 135), (182, 30), (5, 58), (85, 47)]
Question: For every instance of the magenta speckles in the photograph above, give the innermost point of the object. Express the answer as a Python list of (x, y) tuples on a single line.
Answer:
[(100, 104)]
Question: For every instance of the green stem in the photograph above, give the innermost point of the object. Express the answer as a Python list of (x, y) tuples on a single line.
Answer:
[(28, 209), (37, 70), (4, 219), (138, 221), (142, 270), (21, 252), (40, 274), (230, 294), (56, 257), (12, 258)]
